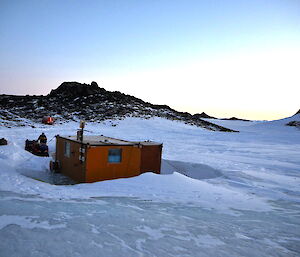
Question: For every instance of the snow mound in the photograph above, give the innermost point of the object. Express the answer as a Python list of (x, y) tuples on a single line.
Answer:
[(192, 170), (149, 186)]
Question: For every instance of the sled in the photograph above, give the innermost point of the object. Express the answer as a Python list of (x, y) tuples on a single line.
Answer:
[(3, 141), (36, 148)]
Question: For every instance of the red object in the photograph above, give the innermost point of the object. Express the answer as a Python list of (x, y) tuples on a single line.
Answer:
[(48, 120)]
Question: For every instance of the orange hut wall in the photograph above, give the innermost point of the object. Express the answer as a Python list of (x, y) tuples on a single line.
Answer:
[(98, 168)]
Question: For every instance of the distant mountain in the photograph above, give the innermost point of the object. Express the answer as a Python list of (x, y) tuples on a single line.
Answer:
[(73, 101), (203, 115), (298, 112), (234, 118)]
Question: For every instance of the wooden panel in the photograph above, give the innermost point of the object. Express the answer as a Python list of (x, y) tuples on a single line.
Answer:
[(151, 158), (70, 166), (98, 168)]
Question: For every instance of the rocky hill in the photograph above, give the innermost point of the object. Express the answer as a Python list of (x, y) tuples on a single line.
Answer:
[(74, 101)]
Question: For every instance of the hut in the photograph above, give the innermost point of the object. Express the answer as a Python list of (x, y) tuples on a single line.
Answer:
[(98, 158)]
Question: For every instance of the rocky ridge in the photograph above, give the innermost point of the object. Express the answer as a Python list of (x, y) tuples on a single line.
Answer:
[(76, 101)]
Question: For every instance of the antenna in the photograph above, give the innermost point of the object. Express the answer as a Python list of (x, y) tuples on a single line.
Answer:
[(80, 131), (80, 138)]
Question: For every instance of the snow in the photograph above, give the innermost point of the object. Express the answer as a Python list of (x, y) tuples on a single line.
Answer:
[(220, 194), (26, 222)]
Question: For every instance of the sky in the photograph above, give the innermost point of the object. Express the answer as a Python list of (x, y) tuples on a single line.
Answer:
[(225, 58)]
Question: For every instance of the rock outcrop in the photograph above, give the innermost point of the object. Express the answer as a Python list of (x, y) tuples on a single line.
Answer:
[(74, 89), (294, 124)]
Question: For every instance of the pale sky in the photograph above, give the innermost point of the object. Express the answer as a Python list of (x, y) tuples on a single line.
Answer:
[(226, 58)]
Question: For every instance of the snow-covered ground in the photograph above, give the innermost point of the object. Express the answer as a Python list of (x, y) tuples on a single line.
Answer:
[(240, 195)]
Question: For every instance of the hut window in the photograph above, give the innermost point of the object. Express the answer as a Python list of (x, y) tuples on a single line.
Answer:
[(67, 149), (114, 155)]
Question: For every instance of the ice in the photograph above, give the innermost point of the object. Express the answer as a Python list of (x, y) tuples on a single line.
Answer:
[(87, 228), (222, 194), (26, 222)]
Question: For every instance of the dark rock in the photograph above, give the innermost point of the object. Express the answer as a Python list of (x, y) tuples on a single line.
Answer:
[(94, 84), (73, 89), (294, 124)]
